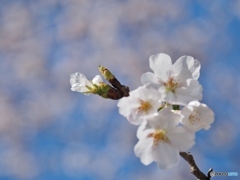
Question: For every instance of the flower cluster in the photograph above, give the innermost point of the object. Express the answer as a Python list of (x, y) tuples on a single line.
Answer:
[(167, 110), (166, 107)]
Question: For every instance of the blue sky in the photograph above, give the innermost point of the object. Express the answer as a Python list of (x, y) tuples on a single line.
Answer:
[(49, 132)]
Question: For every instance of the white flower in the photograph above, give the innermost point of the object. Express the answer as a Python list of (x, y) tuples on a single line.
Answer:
[(81, 84), (197, 116), (141, 103), (177, 82), (162, 140), (144, 125)]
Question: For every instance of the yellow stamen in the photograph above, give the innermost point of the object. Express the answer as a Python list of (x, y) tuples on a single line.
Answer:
[(172, 84), (158, 136), (144, 106), (194, 116)]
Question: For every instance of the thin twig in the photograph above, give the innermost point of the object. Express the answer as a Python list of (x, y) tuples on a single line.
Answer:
[(194, 168)]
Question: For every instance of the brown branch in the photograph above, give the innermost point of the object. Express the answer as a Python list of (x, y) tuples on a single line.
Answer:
[(194, 168), (114, 94)]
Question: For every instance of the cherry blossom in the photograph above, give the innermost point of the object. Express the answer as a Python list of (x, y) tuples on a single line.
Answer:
[(196, 116), (80, 83), (176, 82), (162, 139), (141, 103)]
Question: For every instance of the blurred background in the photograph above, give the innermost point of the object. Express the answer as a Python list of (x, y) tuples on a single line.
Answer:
[(49, 132)]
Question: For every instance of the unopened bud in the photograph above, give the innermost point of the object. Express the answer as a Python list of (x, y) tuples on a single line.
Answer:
[(106, 73)]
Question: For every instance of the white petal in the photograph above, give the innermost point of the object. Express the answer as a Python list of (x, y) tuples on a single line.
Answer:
[(78, 82), (141, 129), (126, 107), (149, 95), (194, 103), (74, 78), (135, 118), (97, 80), (129, 106), (170, 97), (186, 112), (164, 119), (160, 65), (196, 89), (78, 78), (186, 94), (79, 88), (194, 66), (149, 78), (205, 117), (180, 68), (165, 155), (208, 117), (143, 148), (181, 138), (143, 126)]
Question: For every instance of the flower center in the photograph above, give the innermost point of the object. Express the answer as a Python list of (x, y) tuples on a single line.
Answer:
[(158, 135), (144, 106), (194, 116), (172, 84)]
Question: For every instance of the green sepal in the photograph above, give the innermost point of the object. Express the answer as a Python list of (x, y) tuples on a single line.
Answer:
[(89, 88), (160, 108), (175, 107), (101, 89)]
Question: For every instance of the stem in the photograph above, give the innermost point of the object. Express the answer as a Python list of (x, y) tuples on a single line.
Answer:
[(194, 168)]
